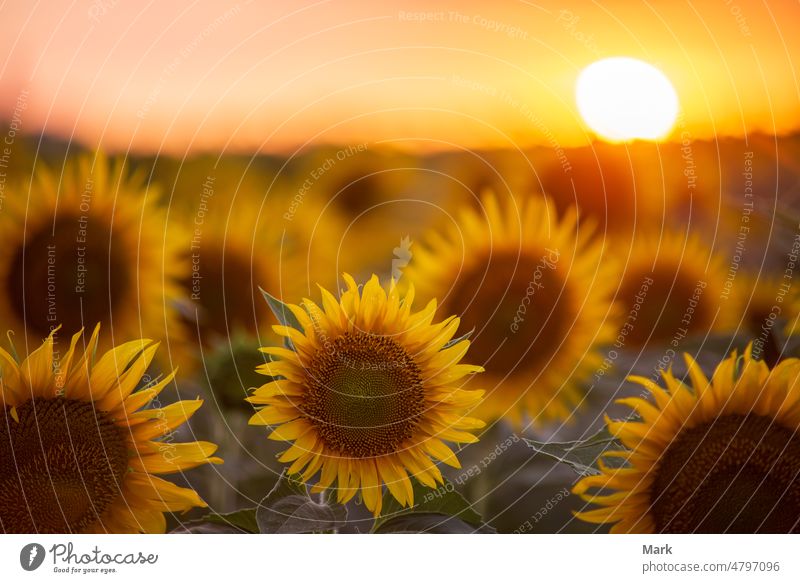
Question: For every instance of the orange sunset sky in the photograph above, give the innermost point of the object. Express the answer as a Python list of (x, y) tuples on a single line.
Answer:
[(253, 76)]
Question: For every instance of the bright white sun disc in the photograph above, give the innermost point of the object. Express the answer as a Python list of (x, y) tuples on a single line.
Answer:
[(625, 99)]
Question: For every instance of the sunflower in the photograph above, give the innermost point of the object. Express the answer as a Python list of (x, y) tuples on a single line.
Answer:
[(536, 292), (719, 456), (366, 200), (367, 393), (80, 450), (765, 303), (355, 179), (226, 230), (671, 286), (602, 181), (461, 177), (89, 245)]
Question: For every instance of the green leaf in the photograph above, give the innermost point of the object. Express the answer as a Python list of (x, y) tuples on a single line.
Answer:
[(443, 501), (738, 367), (244, 520), (455, 341), (420, 522), (230, 370), (285, 486), (12, 347), (300, 514), (241, 521), (582, 455), (289, 509), (282, 312), (203, 527)]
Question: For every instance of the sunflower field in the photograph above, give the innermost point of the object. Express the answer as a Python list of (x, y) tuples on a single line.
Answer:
[(355, 338)]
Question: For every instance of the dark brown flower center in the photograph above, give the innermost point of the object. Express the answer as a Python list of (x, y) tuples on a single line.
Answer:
[(739, 474), (358, 193), (71, 272), (220, 289), (365, 395), (518, 307), (668, 302), (61, 466)]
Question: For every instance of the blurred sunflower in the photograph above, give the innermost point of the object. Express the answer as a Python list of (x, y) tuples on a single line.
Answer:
[(698, 209), (354, 180), (89, 245), (368, 393), (80, 451), (460, 178), (766, 302), (226, 232), (227, 237), (366, 200), (717, 457), (601, 181), (535, 289), (671, 286)]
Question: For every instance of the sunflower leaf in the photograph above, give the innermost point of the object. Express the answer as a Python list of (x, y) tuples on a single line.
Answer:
[(241, 521), (455, 341), (439, 510), (298, 514), (244, 519), (422, 522), (581, 455), (282, 312), (204, 527), (289, 509), (10, 336), (286, 485)]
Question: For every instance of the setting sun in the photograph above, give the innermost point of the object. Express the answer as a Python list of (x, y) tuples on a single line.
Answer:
[(626, 99)]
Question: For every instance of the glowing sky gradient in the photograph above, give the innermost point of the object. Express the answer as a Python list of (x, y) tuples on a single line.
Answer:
[(270, 76)]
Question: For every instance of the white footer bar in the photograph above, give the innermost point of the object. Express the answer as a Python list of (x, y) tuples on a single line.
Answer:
[(386, 558)]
